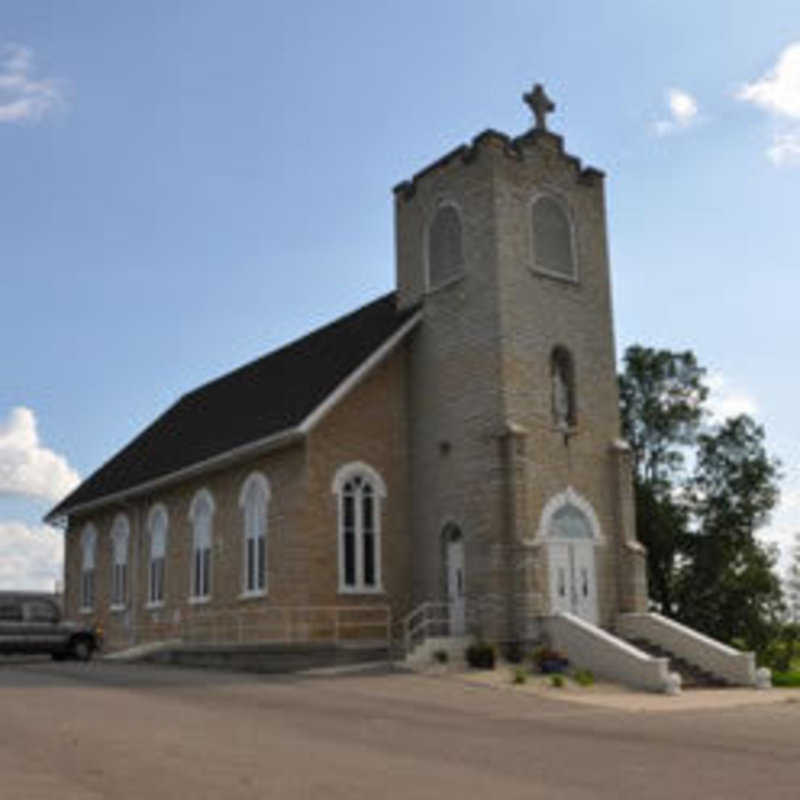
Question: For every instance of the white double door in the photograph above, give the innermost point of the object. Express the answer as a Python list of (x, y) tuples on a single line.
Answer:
[(573, 585)]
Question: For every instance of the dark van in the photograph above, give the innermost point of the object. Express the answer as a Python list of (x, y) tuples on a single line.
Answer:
[(31, 623)]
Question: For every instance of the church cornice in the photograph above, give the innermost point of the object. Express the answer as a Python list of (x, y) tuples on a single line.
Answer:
[(512, 147)]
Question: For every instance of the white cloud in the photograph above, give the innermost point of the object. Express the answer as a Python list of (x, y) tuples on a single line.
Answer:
[(726, 401), (779, 90), (24, 98), (683, 111), (785, 149), (27, 468), (31, 557)]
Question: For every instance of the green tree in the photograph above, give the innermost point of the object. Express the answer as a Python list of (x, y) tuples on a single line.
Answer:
[(727, 586), (661, 405), (793, 583)]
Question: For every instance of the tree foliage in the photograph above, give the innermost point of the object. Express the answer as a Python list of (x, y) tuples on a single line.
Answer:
[(702, 491)]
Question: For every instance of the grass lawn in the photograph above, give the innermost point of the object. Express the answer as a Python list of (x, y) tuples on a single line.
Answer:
[(790, 678)]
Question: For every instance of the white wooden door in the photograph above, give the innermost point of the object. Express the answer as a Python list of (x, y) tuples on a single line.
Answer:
[(572, 578), (456, 587), (584, 581)]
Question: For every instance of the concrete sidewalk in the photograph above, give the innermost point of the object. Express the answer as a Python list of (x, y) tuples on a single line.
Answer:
[(615, 696)]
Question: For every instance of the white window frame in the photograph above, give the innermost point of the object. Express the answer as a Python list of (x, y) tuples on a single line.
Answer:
[(88, 585), (157, 513), (368, 475), (255, 482), (203, 496), (120, 542)]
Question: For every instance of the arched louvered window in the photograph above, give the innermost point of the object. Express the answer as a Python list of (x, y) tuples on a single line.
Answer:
[(360, 490), (552, 238), (445, 248)]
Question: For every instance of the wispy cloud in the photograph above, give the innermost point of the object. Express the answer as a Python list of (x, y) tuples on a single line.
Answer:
[(785, 148), (726, 400), (778, 91), (27, 468), (24, 97), (683, 112), (31, 556)]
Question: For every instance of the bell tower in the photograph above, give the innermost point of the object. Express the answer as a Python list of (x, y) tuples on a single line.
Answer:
[(502, 242)]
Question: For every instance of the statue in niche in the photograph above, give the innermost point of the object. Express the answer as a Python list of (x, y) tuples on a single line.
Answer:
[(563, 404)]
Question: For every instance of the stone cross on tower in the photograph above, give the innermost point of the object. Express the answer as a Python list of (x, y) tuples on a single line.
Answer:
[(540, 104)]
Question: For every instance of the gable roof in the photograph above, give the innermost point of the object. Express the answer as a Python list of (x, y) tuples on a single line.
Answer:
[(256, 403)]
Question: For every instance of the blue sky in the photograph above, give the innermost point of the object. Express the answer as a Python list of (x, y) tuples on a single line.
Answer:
[(187, 185)]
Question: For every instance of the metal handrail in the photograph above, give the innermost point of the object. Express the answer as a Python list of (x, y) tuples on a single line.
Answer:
[(421, 619), (276, 624)]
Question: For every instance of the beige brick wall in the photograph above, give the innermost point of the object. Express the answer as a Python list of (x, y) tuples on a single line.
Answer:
[(480, 365), (369, 425)]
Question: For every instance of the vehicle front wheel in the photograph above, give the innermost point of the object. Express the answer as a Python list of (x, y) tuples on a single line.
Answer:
[(81, 649)]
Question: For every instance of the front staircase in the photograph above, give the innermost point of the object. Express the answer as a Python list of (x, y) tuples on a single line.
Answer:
[(692, 676)]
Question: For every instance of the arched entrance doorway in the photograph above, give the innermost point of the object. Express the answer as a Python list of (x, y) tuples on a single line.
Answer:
[(570, 553), (455, 578)]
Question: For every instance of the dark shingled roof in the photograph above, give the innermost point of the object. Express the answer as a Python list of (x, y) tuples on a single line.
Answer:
[(269, 395)]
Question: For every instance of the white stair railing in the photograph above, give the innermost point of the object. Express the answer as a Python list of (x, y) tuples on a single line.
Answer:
[(427, 619)]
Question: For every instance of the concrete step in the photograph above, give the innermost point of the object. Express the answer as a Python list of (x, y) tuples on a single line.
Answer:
[(692, 676), (424, 654)]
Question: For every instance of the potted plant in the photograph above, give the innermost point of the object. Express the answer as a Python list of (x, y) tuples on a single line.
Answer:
[(550, 661)]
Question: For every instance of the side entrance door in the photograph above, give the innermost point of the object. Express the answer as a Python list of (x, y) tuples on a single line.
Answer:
[(455, 585)]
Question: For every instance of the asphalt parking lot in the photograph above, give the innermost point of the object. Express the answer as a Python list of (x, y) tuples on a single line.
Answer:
[(97, 730)]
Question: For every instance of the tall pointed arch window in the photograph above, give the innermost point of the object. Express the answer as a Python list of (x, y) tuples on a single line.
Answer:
[(120, 537), (445, 250), (201, 515), (360, 491), (88, 552), (552, 238), (253, 500), (157, 526)]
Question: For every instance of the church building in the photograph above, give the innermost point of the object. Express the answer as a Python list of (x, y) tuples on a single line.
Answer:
[(455, 443)]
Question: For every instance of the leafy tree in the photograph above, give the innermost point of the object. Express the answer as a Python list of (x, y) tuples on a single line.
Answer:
[(793, 583), (661, 401), (705, 565), (661, 405)]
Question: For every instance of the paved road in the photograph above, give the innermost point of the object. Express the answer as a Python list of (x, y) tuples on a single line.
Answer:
[(102, 730)]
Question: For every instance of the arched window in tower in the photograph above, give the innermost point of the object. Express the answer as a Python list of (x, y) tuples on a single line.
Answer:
[(445, 251), (562, 378), (552, 238)]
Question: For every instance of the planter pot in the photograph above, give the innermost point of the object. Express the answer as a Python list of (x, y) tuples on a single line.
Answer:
[(552, 665)]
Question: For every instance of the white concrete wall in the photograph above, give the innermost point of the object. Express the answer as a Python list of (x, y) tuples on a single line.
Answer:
[(725, 662), (590, 647)]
